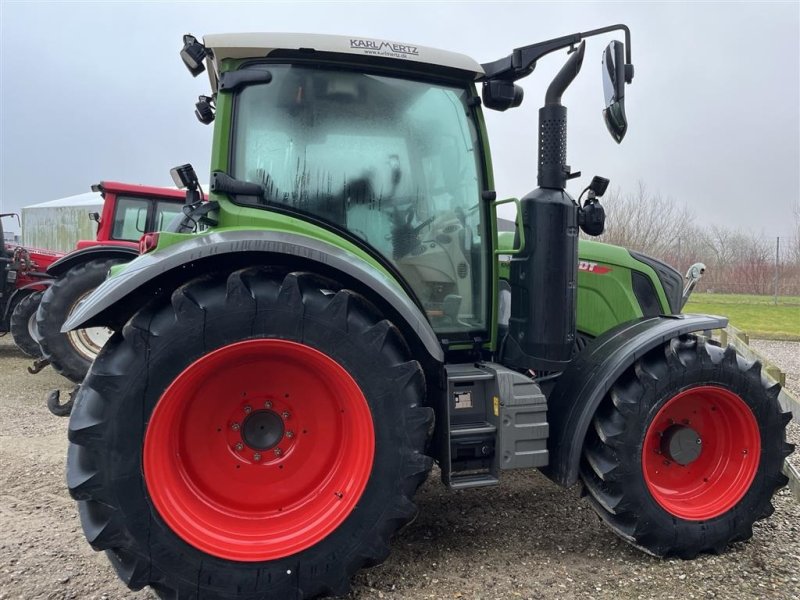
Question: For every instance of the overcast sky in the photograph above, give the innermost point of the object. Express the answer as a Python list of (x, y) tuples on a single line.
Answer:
[(93, 91)]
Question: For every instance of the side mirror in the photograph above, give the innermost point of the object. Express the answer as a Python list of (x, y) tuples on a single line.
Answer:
[(614, 76)]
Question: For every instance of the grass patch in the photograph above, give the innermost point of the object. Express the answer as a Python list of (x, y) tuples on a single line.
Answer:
[(759, 316)]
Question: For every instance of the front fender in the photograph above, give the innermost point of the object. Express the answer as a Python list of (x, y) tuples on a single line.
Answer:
[(163, 270), (587, 379)]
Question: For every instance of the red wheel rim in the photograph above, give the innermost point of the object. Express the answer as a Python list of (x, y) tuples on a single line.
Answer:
[(726, 461), (258, 450)]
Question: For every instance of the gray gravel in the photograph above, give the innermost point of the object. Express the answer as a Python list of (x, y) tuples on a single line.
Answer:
[(785, 356), (526, 538)]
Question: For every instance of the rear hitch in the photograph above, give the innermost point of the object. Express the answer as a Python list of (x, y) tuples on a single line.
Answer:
[(54, 405), (38, 365)]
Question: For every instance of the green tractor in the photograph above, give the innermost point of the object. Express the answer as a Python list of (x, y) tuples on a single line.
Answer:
[(296, 351)]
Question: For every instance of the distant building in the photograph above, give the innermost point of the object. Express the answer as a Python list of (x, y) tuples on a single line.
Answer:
[(59, 224)]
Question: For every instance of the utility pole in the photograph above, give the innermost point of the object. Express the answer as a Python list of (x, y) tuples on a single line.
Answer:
[(777, 260)]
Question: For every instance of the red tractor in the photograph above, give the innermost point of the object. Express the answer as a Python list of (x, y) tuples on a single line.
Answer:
[(129, 211), (22, 281)]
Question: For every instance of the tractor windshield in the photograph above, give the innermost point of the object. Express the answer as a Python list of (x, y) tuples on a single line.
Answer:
[(392, 160)]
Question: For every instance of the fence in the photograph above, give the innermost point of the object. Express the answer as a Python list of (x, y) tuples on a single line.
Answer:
[(740, 340)]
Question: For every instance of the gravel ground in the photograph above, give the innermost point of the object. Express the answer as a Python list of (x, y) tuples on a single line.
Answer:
[(785, 356), (526, 538)]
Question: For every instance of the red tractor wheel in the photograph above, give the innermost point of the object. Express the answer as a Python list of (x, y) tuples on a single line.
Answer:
[(283, 425), (701, 452), (686, 451), (255, 437)]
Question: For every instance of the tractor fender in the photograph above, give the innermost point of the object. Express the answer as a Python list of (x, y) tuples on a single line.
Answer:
[(21, 292), (585, 382), (162, 271), (78, 257)]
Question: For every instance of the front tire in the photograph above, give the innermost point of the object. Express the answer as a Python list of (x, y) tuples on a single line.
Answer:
[(23, 324), (71, 354), (685, 452), (181, 457)]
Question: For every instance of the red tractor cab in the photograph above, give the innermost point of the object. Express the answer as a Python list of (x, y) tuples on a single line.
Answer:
[(129, 211)]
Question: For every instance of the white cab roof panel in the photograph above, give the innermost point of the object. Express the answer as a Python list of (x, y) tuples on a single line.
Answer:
[(253, 45)]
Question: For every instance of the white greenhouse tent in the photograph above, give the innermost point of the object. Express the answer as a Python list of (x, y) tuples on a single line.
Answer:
[(59, 224)]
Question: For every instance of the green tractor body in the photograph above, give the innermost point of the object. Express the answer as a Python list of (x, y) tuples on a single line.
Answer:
[(294, 354)]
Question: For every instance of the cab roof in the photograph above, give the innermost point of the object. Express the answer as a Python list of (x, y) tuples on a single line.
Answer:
[(259, 45)]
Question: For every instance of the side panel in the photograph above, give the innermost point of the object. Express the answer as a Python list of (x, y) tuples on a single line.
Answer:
[(582, 386), (606, 294)]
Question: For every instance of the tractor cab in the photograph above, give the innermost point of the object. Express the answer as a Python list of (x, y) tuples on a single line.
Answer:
[(378, 150)]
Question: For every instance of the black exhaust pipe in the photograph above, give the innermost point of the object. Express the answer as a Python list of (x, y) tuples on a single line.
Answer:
[(544, 275)]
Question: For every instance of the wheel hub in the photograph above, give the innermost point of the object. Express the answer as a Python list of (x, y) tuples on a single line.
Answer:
[(263, 430), (681, 444)]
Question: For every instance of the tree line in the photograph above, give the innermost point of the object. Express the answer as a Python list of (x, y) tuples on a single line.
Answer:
[(737, 260)]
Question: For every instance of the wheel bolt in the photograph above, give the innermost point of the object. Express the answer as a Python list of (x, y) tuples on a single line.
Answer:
[(285, 414), (268, 404), (239, 446), (247, 410), (699, 441), (290, 434), (235, 426), (278, 451), (256, 457)]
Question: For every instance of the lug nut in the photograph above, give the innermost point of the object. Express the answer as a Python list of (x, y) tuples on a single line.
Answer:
[(256, 457), (247, 410), (278, 451), (235, 426), (290, 434), (699, 441), (267, 404), (285, 414), (239, 446)]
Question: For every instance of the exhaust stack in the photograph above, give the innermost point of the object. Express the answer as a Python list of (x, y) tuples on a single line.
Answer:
[(544, 275)]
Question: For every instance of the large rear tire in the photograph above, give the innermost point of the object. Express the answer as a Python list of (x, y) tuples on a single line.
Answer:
[(686, 450), (260, 437), (71, 353), (23, 324)]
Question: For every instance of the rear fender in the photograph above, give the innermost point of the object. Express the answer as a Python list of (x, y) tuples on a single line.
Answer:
[(162, 271), (84, 255), (585, 382)]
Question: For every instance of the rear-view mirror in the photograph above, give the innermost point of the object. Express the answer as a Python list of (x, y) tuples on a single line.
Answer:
[(614, 88)]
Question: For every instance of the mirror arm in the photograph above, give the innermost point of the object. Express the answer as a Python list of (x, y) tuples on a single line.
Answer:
[(522, 61)]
